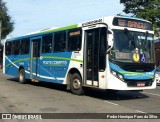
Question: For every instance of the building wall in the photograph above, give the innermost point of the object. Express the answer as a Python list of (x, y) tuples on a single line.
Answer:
[(157, 52)]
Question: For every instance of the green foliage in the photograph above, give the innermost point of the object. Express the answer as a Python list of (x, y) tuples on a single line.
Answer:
[(7, 23), (146, 9)]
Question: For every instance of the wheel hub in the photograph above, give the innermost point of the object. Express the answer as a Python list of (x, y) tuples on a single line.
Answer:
[(76, 84), (21, 77)]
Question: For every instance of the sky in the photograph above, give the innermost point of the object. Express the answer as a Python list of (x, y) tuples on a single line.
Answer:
[(34, 15)]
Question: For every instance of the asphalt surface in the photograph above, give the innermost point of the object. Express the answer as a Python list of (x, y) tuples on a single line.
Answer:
[(52, 98)]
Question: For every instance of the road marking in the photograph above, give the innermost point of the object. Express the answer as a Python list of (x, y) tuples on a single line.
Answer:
[(111, 103), (152, 93), (139, 111)]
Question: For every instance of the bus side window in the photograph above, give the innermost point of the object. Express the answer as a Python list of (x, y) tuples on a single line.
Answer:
[(74, 40), (8, 48), (47, 44), (25, 44), (16, 48), (60, 42)]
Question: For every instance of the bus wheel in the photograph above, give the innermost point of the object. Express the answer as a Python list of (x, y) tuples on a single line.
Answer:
[(76, 84), (21, 77)]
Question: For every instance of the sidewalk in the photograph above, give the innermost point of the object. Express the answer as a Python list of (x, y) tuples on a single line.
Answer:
[(1, 71)]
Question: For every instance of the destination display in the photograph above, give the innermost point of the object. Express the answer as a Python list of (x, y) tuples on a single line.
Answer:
[(125, 22)]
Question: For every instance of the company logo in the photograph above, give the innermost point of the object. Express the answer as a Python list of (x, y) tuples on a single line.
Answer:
[(91, 22), (6, 116), (55, 63)]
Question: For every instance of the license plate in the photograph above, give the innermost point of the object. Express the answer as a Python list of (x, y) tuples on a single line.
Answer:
[(140, 84)]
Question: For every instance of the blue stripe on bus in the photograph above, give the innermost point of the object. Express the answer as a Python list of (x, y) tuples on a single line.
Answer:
[(50, 69)]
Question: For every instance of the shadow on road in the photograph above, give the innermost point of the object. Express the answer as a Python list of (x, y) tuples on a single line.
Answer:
[(91, 92), (49, 85), (119, 95)]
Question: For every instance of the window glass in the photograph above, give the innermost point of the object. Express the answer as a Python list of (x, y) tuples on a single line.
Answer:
[(74, 40), (47, 44), (128, 43), (16, 47), (36, 47), (60, 42), (8, 48), (25, 44)]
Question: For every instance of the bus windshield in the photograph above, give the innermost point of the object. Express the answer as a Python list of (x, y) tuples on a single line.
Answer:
[(131, 46)]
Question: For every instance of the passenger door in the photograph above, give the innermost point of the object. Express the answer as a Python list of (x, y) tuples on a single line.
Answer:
[(35, 55), (95, 55)]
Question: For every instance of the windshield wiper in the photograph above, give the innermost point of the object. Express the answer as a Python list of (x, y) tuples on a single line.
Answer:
[(146, 36), (130, 37)]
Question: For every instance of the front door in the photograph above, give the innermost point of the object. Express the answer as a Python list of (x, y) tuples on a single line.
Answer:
[(95, 59), (35, 55)]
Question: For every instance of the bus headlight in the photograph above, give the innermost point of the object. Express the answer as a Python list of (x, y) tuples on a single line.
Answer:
[(116, 74)]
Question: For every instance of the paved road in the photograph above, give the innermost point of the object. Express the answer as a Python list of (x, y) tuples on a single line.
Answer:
[(52, 98)]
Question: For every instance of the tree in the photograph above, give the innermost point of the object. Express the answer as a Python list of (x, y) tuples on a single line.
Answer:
[(146, 9), (7, 23)]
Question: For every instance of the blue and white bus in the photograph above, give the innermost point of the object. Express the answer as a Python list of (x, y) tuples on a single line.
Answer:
[(113, 53)]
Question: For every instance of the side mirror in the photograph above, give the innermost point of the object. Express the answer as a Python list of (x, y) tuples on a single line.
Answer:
[(109, 48)]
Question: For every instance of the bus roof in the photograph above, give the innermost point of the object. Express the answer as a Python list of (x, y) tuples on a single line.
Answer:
[(51, 30), (128, 17), (45, 31)]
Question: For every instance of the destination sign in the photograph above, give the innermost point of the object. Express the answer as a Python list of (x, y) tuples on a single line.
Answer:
[(132, 23)]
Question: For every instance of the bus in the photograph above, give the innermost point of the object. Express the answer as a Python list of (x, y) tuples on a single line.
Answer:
[(109, 53)]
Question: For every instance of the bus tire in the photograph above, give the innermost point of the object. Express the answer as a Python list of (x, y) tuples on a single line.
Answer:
[(21, 76), (76, 84)]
